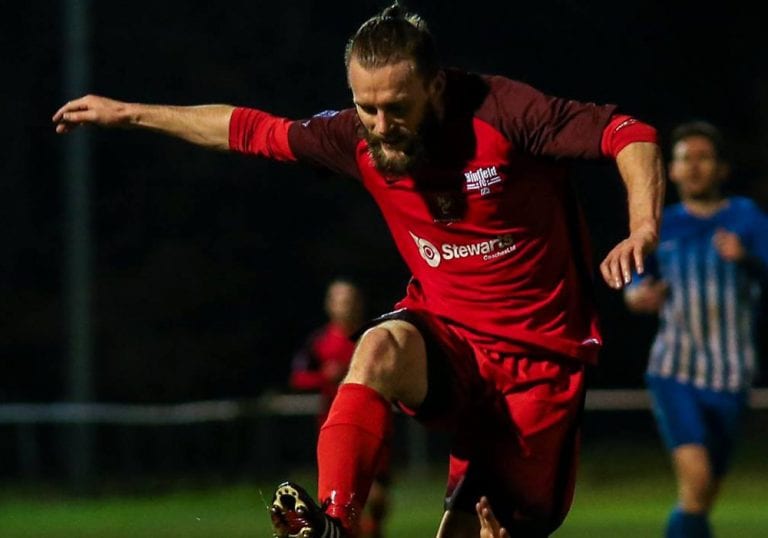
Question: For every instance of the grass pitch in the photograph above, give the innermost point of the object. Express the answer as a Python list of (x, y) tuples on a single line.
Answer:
[(631, 507), (622, 490)]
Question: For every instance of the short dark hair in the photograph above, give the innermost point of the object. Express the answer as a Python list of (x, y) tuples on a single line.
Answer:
[(700, 128), (345, 279), (391, 36)]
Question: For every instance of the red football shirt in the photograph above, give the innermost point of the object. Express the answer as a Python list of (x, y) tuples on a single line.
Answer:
[(489, 227), (328, 349)]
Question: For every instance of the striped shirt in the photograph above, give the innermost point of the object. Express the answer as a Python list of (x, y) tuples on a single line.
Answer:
[(707, 325)]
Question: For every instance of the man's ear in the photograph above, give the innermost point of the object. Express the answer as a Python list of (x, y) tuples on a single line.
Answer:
[(437, 85)]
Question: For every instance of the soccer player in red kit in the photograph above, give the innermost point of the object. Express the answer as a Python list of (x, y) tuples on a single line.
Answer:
[(491, 340), (322, 361)]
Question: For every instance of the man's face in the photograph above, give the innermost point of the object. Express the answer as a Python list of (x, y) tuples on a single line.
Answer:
[(696, 169), (394, 103), (343, 303)]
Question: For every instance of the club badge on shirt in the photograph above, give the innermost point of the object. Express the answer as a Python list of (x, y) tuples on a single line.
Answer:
[(485, 180)]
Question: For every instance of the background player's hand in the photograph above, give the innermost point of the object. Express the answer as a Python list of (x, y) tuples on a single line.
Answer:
[(91, 109), (648, 296), (489, 525), (628, 256), (729, 245)]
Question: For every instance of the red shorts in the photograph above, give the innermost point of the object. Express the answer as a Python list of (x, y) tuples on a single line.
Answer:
[(514, 420)]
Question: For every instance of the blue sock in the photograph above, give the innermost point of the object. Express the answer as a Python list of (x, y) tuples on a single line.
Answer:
[(687, 525)]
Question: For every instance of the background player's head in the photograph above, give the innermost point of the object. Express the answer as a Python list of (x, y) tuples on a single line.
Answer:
[(394, 73), (344, 303), (698, 165)]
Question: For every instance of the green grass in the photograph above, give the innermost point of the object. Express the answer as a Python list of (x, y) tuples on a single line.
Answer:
[(639, 506), (613, 499)]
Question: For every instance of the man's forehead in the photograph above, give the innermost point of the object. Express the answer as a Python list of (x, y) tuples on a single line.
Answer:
[(697, 144), (398, 74)]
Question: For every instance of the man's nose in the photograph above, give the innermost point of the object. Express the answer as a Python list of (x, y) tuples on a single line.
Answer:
[(382, 125)]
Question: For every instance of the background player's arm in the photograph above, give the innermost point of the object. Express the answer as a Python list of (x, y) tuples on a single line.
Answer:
[(732, 248), (642, 170), (729, 245), (204, 125)]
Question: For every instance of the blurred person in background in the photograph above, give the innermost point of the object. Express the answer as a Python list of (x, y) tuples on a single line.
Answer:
[(320, 365), (704, 282), (498, 324)]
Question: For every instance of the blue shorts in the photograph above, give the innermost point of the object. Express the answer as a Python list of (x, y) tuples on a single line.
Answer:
[(688, 415)]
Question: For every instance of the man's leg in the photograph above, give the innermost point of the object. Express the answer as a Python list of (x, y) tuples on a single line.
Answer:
[(699, 442), (696, 484), (696, 488), (389, 364), (519, 449), (376, 512)]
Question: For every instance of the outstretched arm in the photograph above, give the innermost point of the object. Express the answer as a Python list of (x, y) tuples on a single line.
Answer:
[(642, 170), (204, 125)]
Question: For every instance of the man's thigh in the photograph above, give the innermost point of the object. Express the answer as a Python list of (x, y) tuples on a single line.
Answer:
[(519, 445)]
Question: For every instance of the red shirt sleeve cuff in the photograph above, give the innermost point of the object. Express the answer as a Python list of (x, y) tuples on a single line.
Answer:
[(259, 133), (623, 130)]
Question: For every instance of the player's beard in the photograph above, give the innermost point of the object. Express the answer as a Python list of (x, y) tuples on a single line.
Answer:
[(411, 147)]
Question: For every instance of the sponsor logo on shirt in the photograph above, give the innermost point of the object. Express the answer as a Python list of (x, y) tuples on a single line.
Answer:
[(427, 250), (488, 249), (485, 180)]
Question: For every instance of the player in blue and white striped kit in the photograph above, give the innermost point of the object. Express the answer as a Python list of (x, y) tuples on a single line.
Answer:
[(704, 282)]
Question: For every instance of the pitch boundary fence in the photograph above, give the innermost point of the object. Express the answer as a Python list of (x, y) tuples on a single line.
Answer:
[(238, 433), (269, 404)]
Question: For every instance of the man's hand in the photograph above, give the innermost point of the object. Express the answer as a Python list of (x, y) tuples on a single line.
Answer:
[(628, 256), (729, 246), (489, 525), (647, 297), (91, 109)]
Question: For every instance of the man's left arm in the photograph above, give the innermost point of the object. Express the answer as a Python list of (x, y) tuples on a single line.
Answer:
[(751, 250), (641, 168)]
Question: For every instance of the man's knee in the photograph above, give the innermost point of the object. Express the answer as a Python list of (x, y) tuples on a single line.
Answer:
[(391, 358), (376, 356)]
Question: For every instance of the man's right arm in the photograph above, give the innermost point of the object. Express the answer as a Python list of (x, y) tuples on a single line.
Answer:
[(204, 125)]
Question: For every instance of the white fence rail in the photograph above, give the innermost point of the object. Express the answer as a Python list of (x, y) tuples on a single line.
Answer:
[(270, 404), (250, 435)]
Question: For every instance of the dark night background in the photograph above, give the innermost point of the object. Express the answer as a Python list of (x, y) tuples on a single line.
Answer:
[(209, 267)]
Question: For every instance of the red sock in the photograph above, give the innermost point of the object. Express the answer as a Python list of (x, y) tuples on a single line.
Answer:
[(348, 449)]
